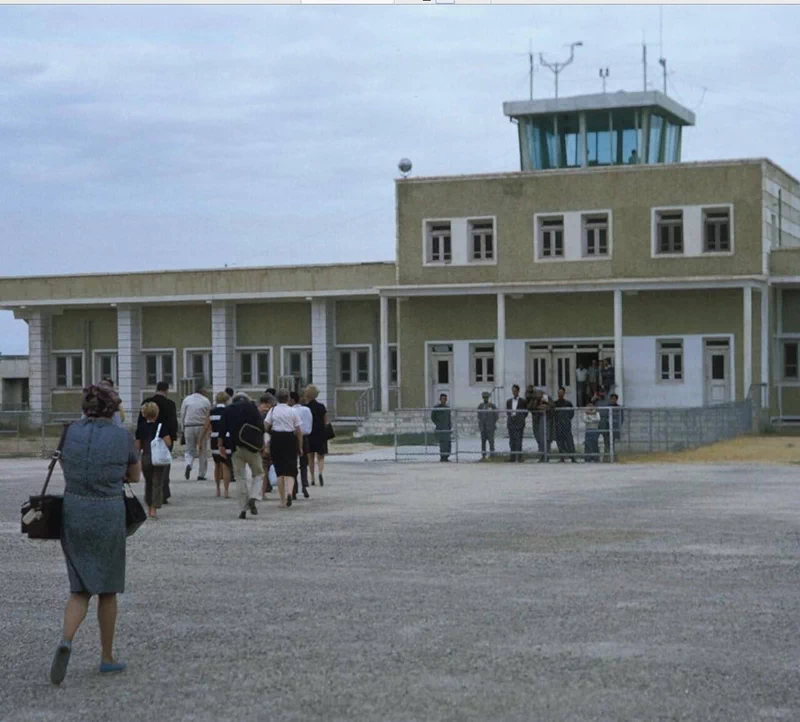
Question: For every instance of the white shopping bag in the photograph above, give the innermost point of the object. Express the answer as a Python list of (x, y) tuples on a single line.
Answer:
[(271, 475), (160, 455)]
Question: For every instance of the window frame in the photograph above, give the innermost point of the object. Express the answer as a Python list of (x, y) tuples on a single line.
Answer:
[(540, 219), (784, 344), (69, 355), (97, 370), (585, 216), (394, 365), (717, 208), (159, 353), (307, 352), (352, 350), (428, 235), (656, 244), (483, 260), (253, 352), (208, 363), (478, 351), (670, 352)]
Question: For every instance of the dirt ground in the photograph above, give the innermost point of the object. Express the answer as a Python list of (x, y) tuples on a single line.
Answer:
[(759, 449)]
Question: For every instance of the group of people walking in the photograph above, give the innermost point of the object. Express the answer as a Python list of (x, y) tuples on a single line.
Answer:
[(98, 455), (552, 421)]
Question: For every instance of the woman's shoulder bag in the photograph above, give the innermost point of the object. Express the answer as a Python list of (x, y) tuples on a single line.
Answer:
[(42, 514)]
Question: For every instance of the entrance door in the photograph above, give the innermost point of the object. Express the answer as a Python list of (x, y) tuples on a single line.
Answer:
[(538, 368), (442, 374), (565, 374), (717, 372)]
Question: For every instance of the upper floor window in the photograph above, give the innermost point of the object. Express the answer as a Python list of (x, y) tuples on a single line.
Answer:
[(670, 360), (69, 370), (716, 230), (440, 242), (595, 235), (551, 237), (481, 234), (159, 367), (669, 232), (106, 367), (483, 364)]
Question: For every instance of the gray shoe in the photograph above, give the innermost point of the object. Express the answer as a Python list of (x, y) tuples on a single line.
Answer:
[(58, 670)]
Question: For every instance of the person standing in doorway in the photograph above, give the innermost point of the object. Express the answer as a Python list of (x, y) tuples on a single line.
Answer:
[(245, 425), (516, 413), (593, 376), (608, 376), (194, 412), (297, 403), (564, 413), (442, 422), (222, 467), (168, 416), (286, 441), (581, 374), (318, 438), (487, 423)]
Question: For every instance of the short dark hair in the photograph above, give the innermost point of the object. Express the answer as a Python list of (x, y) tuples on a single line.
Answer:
[(561, 388), (162, 386), (283, 396), (441, 395), (199, 386), (271, 391), (267, 399), (515, 386), (614, 396), (294, 396), (229, 391)]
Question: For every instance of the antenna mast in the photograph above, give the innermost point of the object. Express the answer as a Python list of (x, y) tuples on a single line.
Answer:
[(558, 67), (644, 63), (530, 64), (604, 73), (662, 61)]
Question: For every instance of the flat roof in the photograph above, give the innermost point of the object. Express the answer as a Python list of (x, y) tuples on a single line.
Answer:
[(601, 101)]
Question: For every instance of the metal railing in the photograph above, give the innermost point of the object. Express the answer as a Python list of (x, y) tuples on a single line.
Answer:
[(365, 404), (566, 433)]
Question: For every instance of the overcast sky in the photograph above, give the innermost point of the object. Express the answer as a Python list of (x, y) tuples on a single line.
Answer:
[(136, 138)]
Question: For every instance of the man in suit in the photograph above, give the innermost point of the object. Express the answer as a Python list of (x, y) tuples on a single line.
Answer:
[(564, 413), (168, 418), (516, 413)]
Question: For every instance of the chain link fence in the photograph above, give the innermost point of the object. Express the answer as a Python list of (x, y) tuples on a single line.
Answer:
[(565, 433), (29, 433)]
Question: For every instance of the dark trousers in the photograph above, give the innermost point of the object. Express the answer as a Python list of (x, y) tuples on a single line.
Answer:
[(304, 462), (445, 443), (487, 437), (515, 441), (590, 445), (565, 442), (153, 484)]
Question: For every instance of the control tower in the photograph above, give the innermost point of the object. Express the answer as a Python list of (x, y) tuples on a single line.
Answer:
[(602, 129)]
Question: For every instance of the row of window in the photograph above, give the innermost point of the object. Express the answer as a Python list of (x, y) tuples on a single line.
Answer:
[(595, 236), (254, 367)]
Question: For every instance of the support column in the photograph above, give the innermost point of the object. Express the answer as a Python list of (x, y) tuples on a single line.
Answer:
[(765, 343), (223, 342), (39, 359), (500, 347), (747, 340), (323, 361), (384, 353), (778, 370), (618, 350), (129, 359)]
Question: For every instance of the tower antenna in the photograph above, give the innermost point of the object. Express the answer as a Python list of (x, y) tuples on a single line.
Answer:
[(558, 67), (662, 61), (530, 65), (604, 73), (644, 62)]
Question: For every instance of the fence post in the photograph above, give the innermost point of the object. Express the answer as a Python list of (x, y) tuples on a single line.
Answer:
[(425, 433), (544, 436), (395, 435), (650, 425), (454, 430), (611, 433)]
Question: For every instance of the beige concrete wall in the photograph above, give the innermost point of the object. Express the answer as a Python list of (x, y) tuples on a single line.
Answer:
[(791, 310), (629, 192), (273, 324), (295, 279), (346, 402), (429, 319), (67, 403), (791, 401), (357, 322), (176, 326), (562, 315), (69, 328), (785, 262)]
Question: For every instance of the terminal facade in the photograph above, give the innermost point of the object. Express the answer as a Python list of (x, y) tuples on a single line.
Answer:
[(686, 275)]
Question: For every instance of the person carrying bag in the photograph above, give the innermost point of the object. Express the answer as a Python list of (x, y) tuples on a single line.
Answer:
[(42, 514)]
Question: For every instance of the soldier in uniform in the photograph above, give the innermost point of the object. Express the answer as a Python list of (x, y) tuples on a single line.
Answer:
[(487, 423)]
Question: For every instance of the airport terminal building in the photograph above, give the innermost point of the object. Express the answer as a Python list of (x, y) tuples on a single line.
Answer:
[(603, 245)]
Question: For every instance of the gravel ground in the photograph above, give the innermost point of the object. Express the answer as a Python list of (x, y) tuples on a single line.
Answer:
[(432, 592)]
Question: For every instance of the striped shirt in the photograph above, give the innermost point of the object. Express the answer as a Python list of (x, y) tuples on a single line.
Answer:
[(215, 416)]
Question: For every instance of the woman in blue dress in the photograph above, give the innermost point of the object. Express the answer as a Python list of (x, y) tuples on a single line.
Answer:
[(96, 458)]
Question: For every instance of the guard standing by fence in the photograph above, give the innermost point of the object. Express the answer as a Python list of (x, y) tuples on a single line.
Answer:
[(487, 423), (442, 422)]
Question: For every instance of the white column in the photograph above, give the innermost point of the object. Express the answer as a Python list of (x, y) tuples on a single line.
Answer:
[(223, 342), (129, 358), (765, 342), (582, 136), (747, 340), (384, 353), (618, 351), (500, 346), (39, 359), (323, 361)]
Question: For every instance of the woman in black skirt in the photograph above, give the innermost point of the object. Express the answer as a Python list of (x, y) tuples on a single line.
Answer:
[(317, 439), (286, 441)]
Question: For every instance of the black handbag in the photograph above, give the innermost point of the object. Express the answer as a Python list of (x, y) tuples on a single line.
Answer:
[(251, 437), (42, 515), (135, 514), (329, 432)]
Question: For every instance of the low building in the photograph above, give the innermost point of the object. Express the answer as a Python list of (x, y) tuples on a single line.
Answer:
[(605, 245), (14, 376)]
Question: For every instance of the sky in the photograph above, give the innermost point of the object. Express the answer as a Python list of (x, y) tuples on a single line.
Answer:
[(161, 137)]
